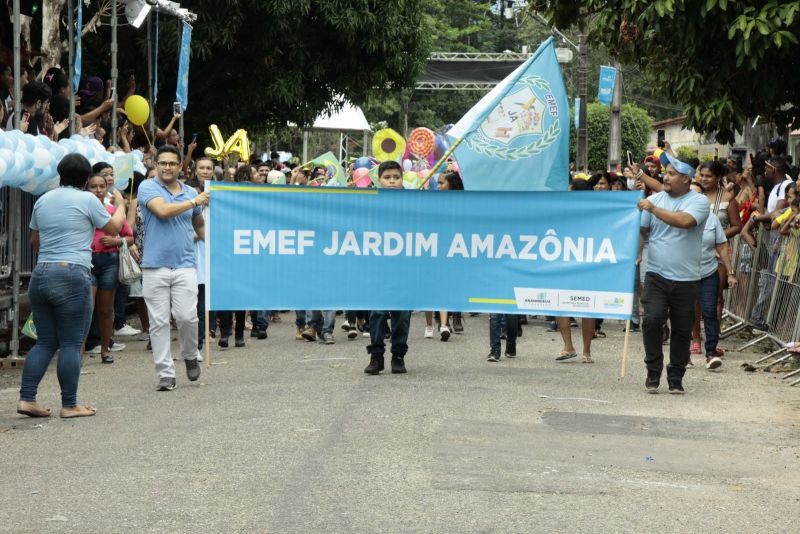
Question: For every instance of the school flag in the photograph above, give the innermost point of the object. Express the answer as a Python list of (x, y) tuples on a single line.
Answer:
[(516, 138), (182, 92), (76, 68), (605, 88)]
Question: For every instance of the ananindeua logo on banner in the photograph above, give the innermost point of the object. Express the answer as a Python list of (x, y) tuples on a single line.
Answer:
[(286, 247)]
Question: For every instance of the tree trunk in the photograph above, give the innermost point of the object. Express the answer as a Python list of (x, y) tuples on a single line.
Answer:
[(51, 33)]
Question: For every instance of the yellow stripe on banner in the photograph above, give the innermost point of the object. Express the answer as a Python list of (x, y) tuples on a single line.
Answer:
[(492, 301), (323, 190)]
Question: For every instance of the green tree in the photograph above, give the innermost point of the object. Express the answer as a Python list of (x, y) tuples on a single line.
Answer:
[(635, 133), (722, 61)]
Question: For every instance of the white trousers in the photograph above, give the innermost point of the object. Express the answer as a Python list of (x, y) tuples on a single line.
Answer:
[(172, 290)]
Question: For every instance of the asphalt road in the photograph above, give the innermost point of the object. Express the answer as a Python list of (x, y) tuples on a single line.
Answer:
[(291, 436)]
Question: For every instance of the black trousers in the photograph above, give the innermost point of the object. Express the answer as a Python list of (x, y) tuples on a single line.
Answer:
[(664, 299), (225, 319)]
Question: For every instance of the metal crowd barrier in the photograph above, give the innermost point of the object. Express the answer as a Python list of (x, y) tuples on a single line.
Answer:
[(5, 233), (767, 298)]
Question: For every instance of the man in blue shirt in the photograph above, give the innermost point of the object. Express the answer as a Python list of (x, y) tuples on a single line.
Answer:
[(172, 213), (673, 220)]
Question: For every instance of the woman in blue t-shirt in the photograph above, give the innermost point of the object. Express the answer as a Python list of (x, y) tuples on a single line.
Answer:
[(60, 291)]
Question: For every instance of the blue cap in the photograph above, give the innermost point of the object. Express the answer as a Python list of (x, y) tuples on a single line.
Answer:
[(678, 165)]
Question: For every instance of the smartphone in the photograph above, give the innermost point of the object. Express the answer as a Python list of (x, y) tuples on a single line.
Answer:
[(630, 159), (111, 94), (662, 136), (176, 108), (194, 137)]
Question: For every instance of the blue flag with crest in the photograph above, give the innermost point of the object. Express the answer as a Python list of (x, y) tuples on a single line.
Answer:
[(182, 92), (516, 138)]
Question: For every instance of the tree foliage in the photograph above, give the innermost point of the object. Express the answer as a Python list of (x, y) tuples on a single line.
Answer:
[(722, 61), (635, 133)]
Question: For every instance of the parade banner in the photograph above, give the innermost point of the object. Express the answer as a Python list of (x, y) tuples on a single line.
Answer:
[(516, 138), (182, 91), (605, 89), (288, 247)]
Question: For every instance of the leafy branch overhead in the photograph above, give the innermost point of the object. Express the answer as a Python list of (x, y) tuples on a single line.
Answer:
[(723, 61)]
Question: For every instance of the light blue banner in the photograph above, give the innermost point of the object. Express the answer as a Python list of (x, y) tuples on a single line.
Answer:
[(516, 138), (605, 90), (182, 92), (577, 113), (76, 68), (287, 247)]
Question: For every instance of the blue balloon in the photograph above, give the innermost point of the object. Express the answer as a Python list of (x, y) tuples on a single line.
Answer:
[(363, 163)]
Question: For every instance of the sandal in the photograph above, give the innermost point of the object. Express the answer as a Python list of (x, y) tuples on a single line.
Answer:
[(68, 412), (564, 355), (587, 358), (107, 358), (32, 409)]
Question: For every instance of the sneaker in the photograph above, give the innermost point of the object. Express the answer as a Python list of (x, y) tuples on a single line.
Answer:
[(695, 348), (652, 381), (127, 330), (327, 338), (444, 333), (346, 326), (458, 325), (239, 342), (398, 365), (511, 351), (573, 323), (199, 356), (352, 333), (223, 342), (375, 365), (551, 327), (428, 332), (94, 350), (192, 370), (166, 383), (493, 357), (365, 333), (116, 347), (634, 327), (298, 334), (309, 333), (262, 334), (676, 387), (713, 362)]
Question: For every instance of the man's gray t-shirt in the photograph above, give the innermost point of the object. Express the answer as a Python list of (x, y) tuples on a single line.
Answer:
[(66, 219), (675, 253)]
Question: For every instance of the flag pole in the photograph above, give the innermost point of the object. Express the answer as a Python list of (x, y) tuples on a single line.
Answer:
[(625, 348), (441, 161)]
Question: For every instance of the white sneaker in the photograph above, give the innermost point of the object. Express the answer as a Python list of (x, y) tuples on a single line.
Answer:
[(365, 334), (116, 347), (428, 332), (93, 350), (444, 333), (127, 330), (199, 355)]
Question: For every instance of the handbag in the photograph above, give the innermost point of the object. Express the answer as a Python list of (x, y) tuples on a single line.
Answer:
[(129, 270)]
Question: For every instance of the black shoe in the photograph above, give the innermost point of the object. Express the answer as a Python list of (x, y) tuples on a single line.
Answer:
[(192, 369), (212, 333), (262, 334), (634, 327), (254, 332), (352, 333), (149, 345), (458, 325), (166, 384), (652, 381), (239, 342), (676, 386), (511, 351), (398, 365), (223, 342), (523, 319), (493, 357), (375, 365)]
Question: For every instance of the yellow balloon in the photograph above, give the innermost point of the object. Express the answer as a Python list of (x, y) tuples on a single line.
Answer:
[(219, 145), (137, 109), (238, 143), (388, 144)]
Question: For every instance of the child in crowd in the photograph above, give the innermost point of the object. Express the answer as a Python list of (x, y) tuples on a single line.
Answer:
[(390, 176)]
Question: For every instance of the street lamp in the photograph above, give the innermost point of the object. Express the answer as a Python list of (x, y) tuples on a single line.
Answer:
[(136, 11)]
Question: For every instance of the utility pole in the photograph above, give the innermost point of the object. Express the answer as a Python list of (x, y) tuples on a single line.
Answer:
[(615, 124), (582, 155)]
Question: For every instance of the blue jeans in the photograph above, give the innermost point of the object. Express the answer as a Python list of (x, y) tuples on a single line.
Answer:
[(120, 301), (260, 319), (323, 321), (61, 299), (707, 293), (300, 317), (401, 322), (496, 323)]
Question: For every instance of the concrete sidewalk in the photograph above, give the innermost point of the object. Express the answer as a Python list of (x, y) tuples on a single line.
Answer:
[(291, 436)]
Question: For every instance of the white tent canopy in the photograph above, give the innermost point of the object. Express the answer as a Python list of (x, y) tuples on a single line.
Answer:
[(349, 118)]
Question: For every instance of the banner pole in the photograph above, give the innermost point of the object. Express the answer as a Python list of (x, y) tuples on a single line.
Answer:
[(207, 335), (441, 161), (625, 348)]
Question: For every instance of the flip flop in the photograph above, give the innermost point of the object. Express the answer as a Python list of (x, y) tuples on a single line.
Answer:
[(564, 355), (587, 358), (80, 411), (32, 409)]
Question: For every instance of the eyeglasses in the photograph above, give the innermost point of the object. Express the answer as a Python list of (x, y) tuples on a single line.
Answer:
[(168, 163)]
